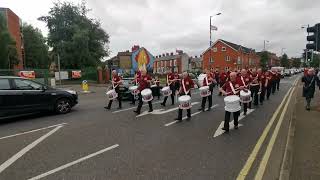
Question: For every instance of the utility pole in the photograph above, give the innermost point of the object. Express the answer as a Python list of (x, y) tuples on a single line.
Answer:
[(59, 69)]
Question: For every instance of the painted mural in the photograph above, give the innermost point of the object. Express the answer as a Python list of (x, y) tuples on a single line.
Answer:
[(142, 58)]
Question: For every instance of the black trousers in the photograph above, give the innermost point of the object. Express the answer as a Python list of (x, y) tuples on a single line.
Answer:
[(133, 99), (204, 99), (173, 89), (269, 89), (141, 103), (245, 107), (156, 91), (119, 99), (180, 110), (254, 94), (227, 119), (274, 86), (263, 94), (278, 84)]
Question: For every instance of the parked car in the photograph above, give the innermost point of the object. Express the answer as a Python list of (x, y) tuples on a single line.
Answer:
[(287, 72), (20, 96)]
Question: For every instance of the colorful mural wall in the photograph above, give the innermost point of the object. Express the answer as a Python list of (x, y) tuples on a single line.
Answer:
[(140, 58)]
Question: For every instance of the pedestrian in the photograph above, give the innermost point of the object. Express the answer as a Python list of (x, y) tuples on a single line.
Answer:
[(310, 81), (185, 89), (268, 83), (255, 87), (245, 83), (231, 87), (144, 83), (263, 85), (223, 79), (207, 81), (172, 85), (116, 82)]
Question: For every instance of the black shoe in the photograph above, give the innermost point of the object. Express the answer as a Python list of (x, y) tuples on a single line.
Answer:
[(150, 110), (245, 113), (119, 108), (178, 119), (201, 109), (225, 129), (137, 112), (209, 109), (236, 127), (162, 104), (308, 108), (107, 108)]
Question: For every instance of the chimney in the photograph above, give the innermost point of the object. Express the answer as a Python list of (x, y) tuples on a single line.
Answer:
[(167, 54), (201, 56), (135, 47), (171, 53), (163, 55), (159, 56), (196, 56)]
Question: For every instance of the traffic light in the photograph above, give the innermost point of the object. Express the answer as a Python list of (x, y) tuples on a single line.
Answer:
[(314, 38)]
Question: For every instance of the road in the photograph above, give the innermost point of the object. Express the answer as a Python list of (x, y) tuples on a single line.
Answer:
[(92, 143)]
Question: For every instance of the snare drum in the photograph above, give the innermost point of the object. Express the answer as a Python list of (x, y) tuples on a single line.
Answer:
[(232, 103), (245, 97), (185, 102), (112, 94), (146, 95), (134, 90), (166, 91), (204, 91)]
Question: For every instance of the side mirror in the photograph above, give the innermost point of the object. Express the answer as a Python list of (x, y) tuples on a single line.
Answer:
[(44, 88)]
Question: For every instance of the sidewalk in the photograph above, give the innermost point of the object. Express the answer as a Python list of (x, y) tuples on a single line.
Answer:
[(306, 140)]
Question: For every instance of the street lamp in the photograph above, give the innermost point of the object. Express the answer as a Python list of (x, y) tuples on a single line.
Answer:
[(264, 44), (210, 27)]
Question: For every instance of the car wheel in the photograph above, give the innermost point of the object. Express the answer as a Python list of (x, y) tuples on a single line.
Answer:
[(63, 106)]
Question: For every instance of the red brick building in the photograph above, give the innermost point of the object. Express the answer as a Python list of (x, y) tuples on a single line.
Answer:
[(14, 27), (166, 62), (227, 55)]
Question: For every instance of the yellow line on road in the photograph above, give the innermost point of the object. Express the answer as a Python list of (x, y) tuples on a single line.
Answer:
[(266, 156), (246, 168)]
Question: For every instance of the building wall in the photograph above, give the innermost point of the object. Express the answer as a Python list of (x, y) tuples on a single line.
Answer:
[(125, 62), (14, 28), (229, 59)]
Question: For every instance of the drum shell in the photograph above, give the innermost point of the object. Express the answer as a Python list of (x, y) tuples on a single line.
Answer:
[(185, 102), (146, 95)]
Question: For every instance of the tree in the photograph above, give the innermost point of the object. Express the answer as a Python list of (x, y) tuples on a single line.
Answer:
[(8, 51), (264, 57), (35, 48), (284, 61), (79, 40), (296, 62), (315, 61)]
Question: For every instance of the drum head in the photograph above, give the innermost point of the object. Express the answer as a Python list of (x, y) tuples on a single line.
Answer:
[(184, 98), (204, 88), (232, 98), (146, 92)]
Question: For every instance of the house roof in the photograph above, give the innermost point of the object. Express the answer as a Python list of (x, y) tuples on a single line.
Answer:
[(169, 57), (234, 46)]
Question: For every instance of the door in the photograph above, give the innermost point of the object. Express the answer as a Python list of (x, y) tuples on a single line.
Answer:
[(34, 97), (10, 100)]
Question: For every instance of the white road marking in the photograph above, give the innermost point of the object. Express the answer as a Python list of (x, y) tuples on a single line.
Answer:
[(122, 110), (26, 149), (193, 114), (219, 131), (160, 111), (73, 162), (35, 130)]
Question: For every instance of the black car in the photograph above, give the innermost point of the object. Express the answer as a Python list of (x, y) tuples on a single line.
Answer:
[(20, 96)]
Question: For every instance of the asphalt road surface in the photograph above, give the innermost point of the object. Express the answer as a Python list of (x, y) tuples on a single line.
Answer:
[(92, 143)]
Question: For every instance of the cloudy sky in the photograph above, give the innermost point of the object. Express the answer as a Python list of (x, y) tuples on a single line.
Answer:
[(166, 25)]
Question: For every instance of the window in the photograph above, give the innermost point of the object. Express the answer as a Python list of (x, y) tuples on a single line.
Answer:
[(215, 49), (171, 63), (161, 63), (239, 60), (158, 63), (227, 58), (175, 62), (211, 60), (250, 61), (4, 84), (223, 49), (22, 84)]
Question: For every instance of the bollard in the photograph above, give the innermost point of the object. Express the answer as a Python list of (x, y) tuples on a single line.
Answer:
[(85, 86)]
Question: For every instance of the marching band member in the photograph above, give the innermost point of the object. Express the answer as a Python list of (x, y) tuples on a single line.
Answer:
[(171, 84), (116, 81), (263, 85), (268, 83), (222, 79), (144, 83), (176, 82), (216, 75), (208, 81), (185, 89), (255, 86), (245, 83), (231, 87), (156, 89), (135, 81)]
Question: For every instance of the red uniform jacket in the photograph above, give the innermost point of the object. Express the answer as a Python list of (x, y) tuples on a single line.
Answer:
[(209, 78), (143, 83), (245, 80), (223, 77), (176, 76), (254, 78), (170, 77), (186, 83), (262, 79), (116, 81), (228, 89)]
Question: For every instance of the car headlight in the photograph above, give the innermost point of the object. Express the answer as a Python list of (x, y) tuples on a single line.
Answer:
[(72, 92)]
